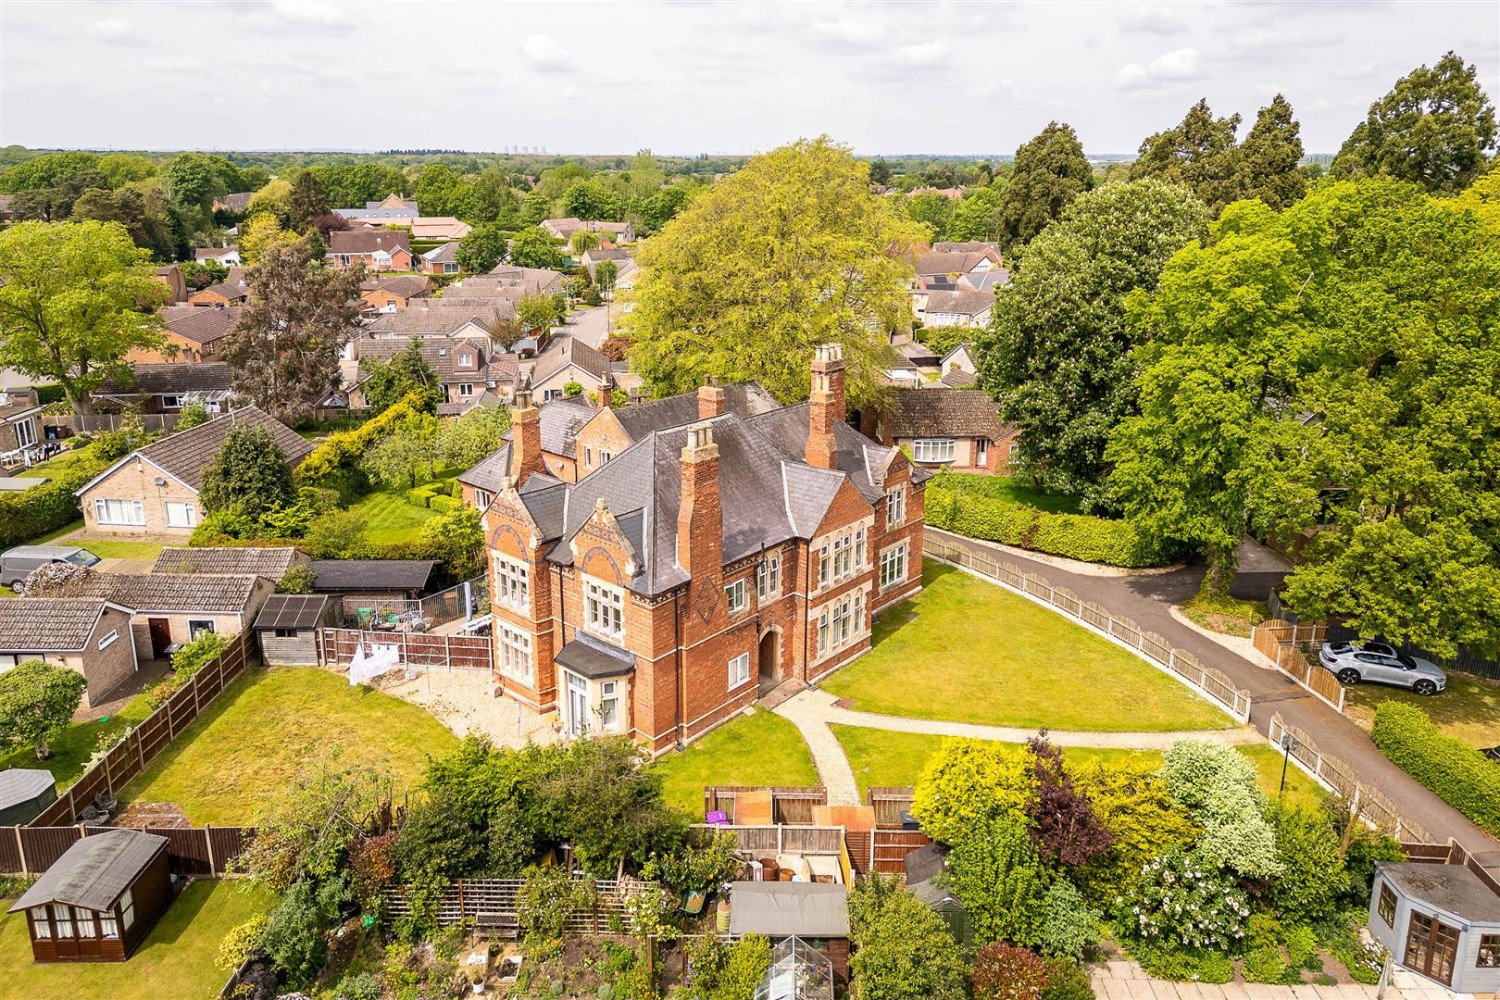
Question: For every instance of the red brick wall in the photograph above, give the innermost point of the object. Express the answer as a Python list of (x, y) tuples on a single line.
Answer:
[(602, 433)]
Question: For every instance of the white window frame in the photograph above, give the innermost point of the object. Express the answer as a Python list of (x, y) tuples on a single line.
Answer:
[(841, 623), (588, 458), (466, 360), (512, 584), (514, 652), (41, 922), (197, 626), (482, 498), (171, 402), (26, 432), (604, 609), (739, 671), (768, 578), (981, 451), (138, 507), (109, 927), (895, 507), (609, 719), (127, 909), (825, 566), (735, 594), (62, 920), (109, 638), (190, 520), (933, 450), (465, 389), (893, 568)]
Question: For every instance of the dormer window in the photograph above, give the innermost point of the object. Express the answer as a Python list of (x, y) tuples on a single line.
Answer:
[(466, 361)]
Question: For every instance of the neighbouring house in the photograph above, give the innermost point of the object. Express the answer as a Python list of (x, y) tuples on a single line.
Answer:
[(565, 360), (80, 633), (99, 900), (271, 563), (525, 280), (168, 610), (660, 594), (960, 307), (594, 256), (1440, 921), (288, 625), (945, 428), (376, 249), (438, 227), (966, 246), (951, 193), (237, 203), (192, 334), (25, 793), (983, 281), (466, 370), (451, 316), (20, 425), (563, 229), (171, 276), (390, 294), (813, 914), (440, 260), (221, 296), (154, 490), (167, 388), (229, 256), (372, 580), (392, 206), (944, 268), (961, 359)]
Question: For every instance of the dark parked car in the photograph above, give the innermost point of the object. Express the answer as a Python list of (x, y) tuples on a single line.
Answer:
[(1381, 663)]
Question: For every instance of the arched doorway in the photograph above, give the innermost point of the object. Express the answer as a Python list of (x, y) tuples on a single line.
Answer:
[(770, 659)]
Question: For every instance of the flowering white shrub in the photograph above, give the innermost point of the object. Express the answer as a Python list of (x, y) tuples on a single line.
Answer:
[(1180, 899)]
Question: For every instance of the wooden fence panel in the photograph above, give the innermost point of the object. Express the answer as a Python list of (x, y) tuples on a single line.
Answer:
[(189, 850), (889, 803), (892, 846), (789, 803), (418, 649), (193, 851)]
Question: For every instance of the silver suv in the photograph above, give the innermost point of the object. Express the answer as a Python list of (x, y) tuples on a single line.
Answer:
[(17, 563), (1382, 663)]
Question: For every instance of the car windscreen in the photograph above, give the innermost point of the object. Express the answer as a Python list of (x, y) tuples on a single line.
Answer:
[(83, 558)]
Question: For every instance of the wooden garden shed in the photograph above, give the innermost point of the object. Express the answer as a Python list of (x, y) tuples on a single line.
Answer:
[(100, 899), (287, 628)]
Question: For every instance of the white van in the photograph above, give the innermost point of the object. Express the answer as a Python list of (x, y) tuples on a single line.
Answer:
[(17, 563)]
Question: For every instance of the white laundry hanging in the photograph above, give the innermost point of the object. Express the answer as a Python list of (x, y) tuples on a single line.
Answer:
[(382, 657)]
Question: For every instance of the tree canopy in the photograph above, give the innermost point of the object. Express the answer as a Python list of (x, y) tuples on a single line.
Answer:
[(1267, 162), (1198, 153), (248, 473), (790, 252), (388, 381), (1433, 128), (37, 701), (76, 300), (1057, 354), (1050, 172)]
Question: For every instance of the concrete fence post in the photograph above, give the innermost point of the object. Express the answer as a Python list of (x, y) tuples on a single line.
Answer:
[(208, 845), (21, 850)]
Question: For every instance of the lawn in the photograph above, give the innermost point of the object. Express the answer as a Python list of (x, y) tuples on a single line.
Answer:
[(882, 757), (64, 462), (1011, 490), (389, 519), (71, 751), (1468, 709), (236, 757), (970, 651), (760, 749), (175, 960), (112, 548)]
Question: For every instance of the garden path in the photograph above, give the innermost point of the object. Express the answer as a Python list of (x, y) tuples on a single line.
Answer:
[(813, 710), (1127, 981)]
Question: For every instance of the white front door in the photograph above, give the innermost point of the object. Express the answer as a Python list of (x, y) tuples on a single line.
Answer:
[(578, 705), (981, 452)]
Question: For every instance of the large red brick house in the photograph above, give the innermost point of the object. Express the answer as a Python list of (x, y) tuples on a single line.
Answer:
[(708, 560)]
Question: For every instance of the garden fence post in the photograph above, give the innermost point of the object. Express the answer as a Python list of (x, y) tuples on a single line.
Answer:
[(208, 843), (21, 850), (109, 782), (778, 838)]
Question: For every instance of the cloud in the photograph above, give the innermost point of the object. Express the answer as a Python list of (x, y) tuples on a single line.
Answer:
[(545, 55), (925, 54), (114, 29), (847, 33), (312, 14), (1152, 20), (1177, 65), (1281, 40), (174, 64)]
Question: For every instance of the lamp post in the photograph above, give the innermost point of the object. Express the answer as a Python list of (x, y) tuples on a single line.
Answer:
[(1288, 744)]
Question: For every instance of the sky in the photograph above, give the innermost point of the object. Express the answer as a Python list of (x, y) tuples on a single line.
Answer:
[(699, 77)]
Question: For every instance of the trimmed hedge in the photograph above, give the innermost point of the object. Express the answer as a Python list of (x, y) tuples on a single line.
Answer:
[(345, 448), (1075, 536), (1455, 771), (445, 504), (45, 508), (418, 497)]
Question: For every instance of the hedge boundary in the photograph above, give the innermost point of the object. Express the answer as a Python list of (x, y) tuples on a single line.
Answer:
[(1456, 772), (1074, 536), (45, 508), (344, 449)]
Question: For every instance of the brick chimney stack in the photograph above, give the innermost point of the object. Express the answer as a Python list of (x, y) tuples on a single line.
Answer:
[(526, 437), (607, 393), (825, 407), (710, 399), (700, 518)]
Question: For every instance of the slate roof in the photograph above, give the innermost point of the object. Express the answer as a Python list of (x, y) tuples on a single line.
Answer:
[(236, 202), (441, 354), (430, 317), (911, 413), (48, 624), (292, 611), (594, 658), (185, 454), (174, 378), (372, 574), (562, 419), (957, 378), (967, 246), (743, 398), (271, 563), (490, 471), (789, 909), (985, 281), (961, 301), (366, 241), (1450, 888), (95, 872), (524, 279), (564, 351), (446, 253), (199, 325), (213, 253), (173, 592)]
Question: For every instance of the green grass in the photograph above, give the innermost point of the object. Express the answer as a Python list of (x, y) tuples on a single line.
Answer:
[(882, 757), (175, 960), (1225, 614), (71, 751), (974, 652), (761, 749), (389, 519), (235, 759), (68, 460), (1011, 489), (109, 548), (1468, 709)]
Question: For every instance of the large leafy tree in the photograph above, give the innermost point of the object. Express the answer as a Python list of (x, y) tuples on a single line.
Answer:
[(388, 381), (905, 951), (442, 192), (1433, 128), (1057, 355), (977, 216), (1050, 173), (76, 300), (284, 348), (306, 201), (249, 473), (350, 185), (532, 247), (1198, 153), (37, 701), (790, 252), (483, 248), (142, 209), (1267, 163)]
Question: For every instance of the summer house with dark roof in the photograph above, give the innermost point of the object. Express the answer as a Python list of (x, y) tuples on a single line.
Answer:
[(288, 625), (100, 899), (375, 579), (154, 490), (941, 427), (745, 547)]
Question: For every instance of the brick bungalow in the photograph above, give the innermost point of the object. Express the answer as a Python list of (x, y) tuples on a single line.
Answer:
[(79, 633), (221, 296), (168, 609), (945, 428), (662, 593), (154, 490), (376, 249), (390, 294), (167, 388)]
